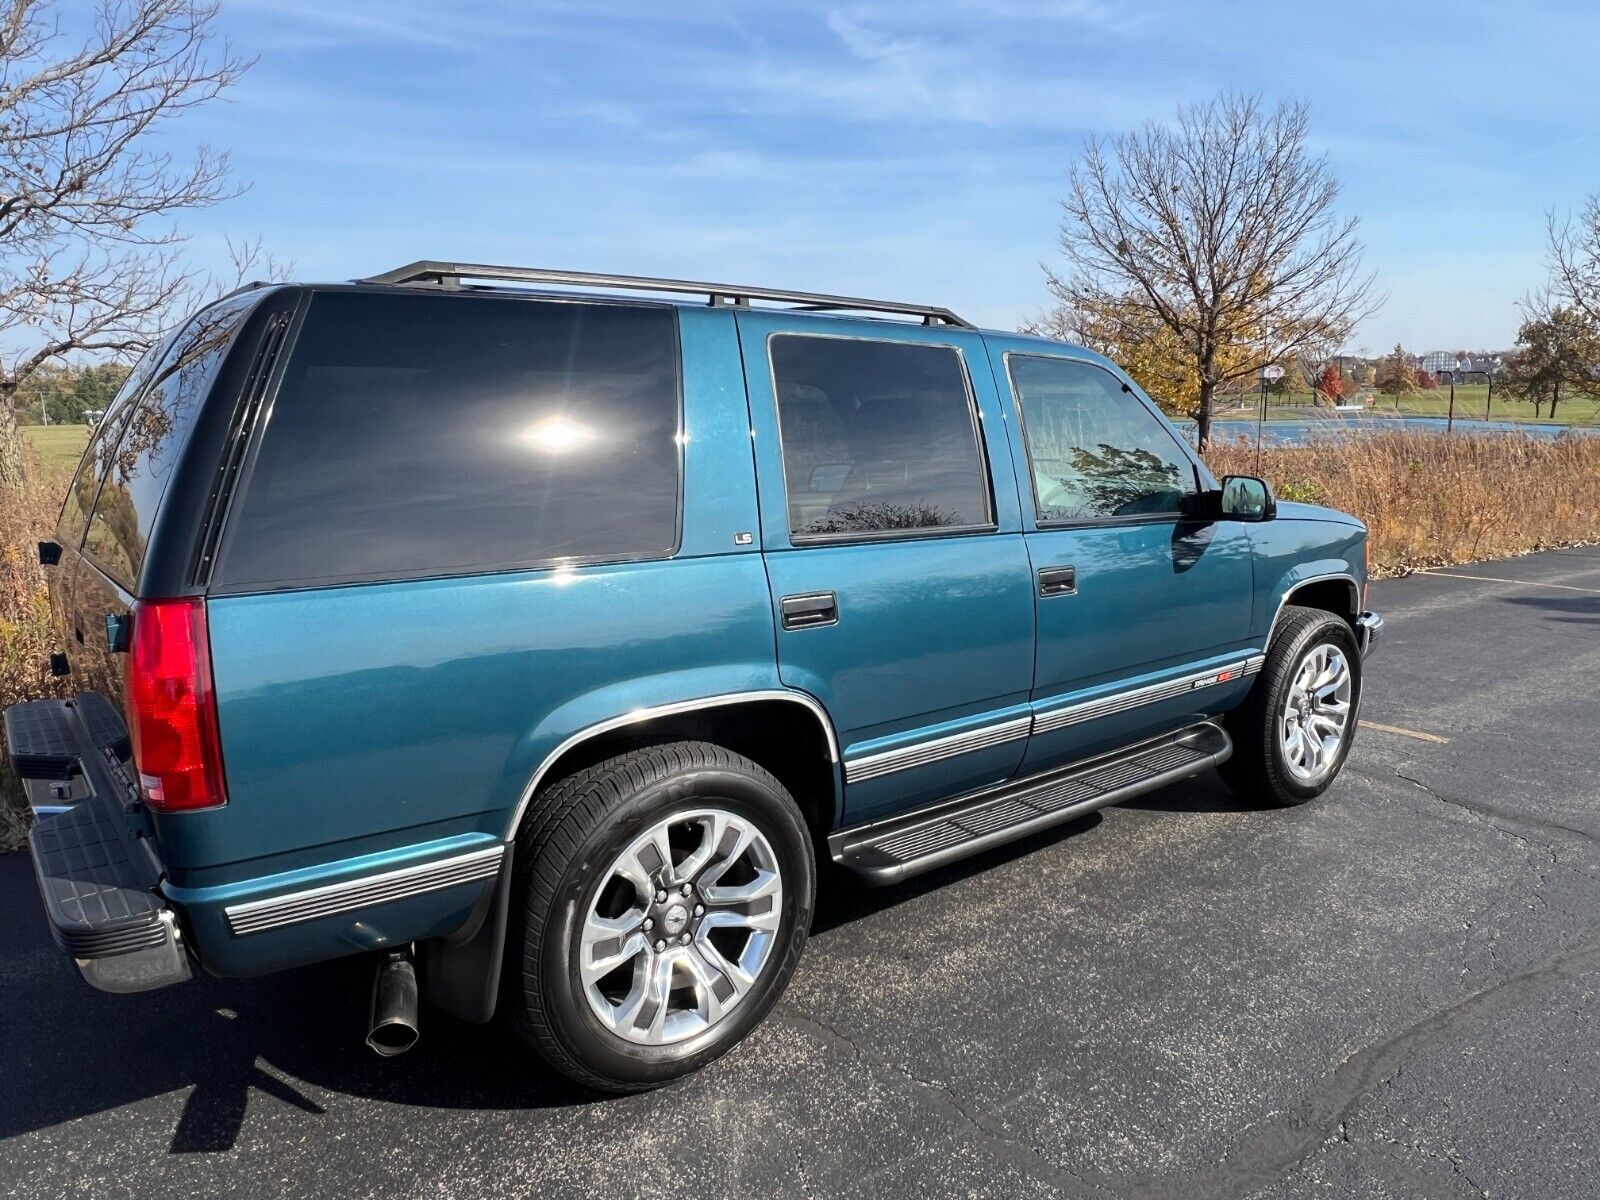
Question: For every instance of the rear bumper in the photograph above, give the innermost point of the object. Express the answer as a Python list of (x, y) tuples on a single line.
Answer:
[(100, 904), (1369, 628), (98, 874)]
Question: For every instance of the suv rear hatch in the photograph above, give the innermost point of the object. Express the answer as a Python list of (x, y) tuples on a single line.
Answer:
[(129, 615)]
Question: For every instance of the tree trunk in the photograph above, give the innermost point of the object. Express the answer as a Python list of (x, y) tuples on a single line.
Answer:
[(1202, 415), (1555, 400), (12, 463)]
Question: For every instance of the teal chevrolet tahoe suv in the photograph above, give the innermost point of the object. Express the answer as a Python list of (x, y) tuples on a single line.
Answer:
[(537, 634)]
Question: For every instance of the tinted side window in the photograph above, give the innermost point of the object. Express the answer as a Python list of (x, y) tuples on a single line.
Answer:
[(878, 437), (1095, 451), (102, 444), (154, 435), (424, 434)]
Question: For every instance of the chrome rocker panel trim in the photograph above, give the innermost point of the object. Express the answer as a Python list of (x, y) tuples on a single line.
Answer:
[(256, 916), (900, 847), (872, 766), (1154, 693)]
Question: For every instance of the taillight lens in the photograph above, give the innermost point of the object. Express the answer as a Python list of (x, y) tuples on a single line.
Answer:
[(176, 749)]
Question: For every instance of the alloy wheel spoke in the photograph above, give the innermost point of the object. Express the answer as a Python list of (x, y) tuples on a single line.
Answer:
[(715, 984), (741, 979), (735, 840), (711, 830), (604, 952)]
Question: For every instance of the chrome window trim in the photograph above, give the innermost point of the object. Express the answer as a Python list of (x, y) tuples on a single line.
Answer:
[(919, 754), (1153, 693), (310, 904), (637, 715)]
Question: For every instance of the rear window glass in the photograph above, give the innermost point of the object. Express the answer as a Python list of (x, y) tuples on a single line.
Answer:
[(429, 435), (153, 437)]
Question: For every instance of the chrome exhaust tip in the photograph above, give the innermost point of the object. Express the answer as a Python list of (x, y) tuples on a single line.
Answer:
[(392, 1025)]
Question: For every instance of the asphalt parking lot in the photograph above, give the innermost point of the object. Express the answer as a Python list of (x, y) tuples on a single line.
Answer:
[(1390, 992)]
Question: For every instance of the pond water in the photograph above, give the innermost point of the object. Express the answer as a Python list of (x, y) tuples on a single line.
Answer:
[(1299, 430)]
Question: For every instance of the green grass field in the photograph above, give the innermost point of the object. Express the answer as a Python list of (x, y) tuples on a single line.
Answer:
[(58, 446), (1470, 400)]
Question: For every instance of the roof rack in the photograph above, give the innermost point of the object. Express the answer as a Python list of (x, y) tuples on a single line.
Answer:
[(448, 274)]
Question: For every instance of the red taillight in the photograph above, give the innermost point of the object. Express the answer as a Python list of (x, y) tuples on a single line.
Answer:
[(173, 712)]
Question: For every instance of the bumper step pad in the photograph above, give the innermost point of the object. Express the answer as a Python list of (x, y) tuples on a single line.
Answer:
[(893, 850), (98, 898), (43, 744)]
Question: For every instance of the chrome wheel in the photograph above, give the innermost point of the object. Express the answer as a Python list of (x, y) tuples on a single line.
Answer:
[(1316, 713), (681, 926)]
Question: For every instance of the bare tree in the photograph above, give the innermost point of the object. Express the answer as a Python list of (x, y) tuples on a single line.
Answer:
[(1575, 261), (1220, 228), (89, 261)]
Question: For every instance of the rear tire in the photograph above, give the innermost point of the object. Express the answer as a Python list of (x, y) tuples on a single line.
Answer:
[(1293, 732), (625, 971)]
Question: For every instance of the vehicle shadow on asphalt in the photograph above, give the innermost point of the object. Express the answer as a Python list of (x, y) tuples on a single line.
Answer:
[(1585, 610), (228, 1042), (843, 898)]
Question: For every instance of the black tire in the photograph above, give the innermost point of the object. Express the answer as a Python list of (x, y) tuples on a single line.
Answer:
[(574, 830), (1259, 768)]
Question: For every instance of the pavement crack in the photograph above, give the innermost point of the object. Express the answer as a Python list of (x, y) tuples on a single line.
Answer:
[(1497, 817), (942, 1100), (1275, 1147)]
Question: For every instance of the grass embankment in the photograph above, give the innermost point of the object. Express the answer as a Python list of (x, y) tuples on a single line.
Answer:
[(1471, 399), (1430, 500), (58, 446)]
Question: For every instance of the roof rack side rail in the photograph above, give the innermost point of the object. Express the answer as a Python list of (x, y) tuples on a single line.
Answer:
[(450, 274)]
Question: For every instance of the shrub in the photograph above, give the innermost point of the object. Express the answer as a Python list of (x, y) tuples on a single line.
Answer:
[(1431, 498), (26, 637)]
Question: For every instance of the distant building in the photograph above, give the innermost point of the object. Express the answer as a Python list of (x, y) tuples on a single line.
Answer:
[(1446, 363)]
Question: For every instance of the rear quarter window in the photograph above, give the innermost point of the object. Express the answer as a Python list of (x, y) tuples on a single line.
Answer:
[(418, 435), (79, 502), (153, 436)]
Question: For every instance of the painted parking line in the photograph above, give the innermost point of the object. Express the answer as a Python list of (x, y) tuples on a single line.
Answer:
[(1565, 587), (1410, 733)]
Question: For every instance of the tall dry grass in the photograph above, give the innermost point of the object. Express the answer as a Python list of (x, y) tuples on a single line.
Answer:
[(26, 640), (1430, 499)]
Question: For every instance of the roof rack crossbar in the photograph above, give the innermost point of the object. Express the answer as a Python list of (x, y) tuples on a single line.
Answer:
[(430, 271)]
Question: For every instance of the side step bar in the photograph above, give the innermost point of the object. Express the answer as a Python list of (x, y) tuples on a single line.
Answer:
[(896, 849)]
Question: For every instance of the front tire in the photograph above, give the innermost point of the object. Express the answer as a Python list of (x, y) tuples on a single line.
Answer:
[(661, 901), (1293, 732)]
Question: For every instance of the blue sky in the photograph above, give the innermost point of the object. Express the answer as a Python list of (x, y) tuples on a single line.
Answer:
[(910, 150)]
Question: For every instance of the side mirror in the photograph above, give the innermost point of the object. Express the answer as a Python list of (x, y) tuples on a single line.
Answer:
[(1246, 498)]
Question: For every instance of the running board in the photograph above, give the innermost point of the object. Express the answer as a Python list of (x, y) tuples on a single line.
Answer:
[(896, 849)]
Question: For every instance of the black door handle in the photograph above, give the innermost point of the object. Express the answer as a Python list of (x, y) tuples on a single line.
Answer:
[(809, 609), (1058, 581)]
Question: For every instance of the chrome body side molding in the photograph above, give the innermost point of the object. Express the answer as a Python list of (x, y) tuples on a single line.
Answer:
[(872, 766), (255, 916), (1088, 710)]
